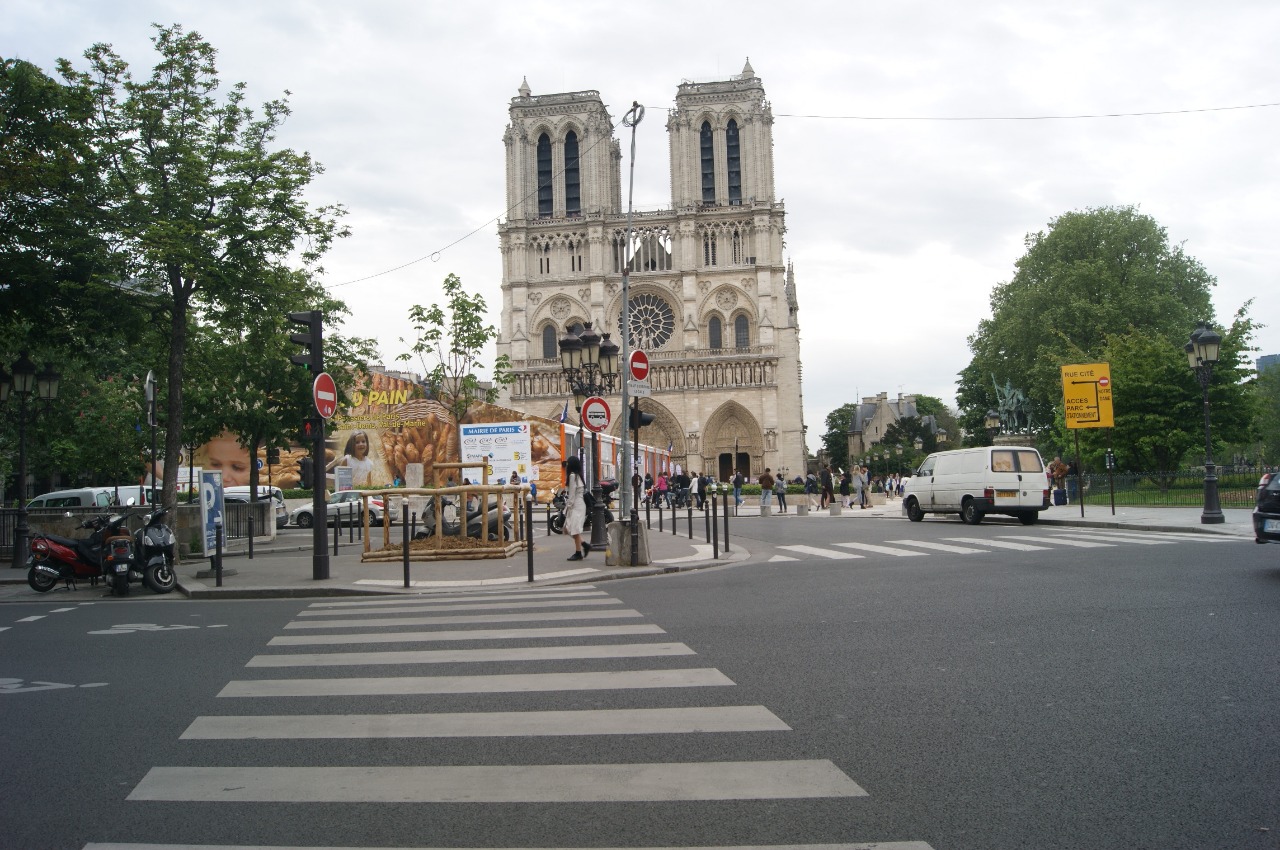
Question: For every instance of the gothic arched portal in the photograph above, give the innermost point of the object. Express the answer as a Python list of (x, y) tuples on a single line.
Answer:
[(732, 440)]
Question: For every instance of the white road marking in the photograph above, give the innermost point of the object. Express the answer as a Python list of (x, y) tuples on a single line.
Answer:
[(747, 780), (816, 551), (456, 619), (471, 656), (30, 619), (1141, 541), (1060, 541), (60, 610), (1164, 537), (483, 582), (468, 634), (782, 558), (939, 547), (875, 845), (495, 684), (883, 550), (478, 606), (999, 544), (538, 593), (635, 721)]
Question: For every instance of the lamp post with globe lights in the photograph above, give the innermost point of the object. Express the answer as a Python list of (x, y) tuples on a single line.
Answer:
[(590, 365), (22, 383), (1202, 355)]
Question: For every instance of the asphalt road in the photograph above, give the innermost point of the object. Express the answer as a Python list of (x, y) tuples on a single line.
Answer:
[(1121, 694)]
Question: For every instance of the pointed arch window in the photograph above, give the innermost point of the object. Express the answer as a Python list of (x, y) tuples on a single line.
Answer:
[(544, 176), (550, 346), (708, 164), (572, 180), (741, 333), (733, 160), (737, 246), (715, 335)]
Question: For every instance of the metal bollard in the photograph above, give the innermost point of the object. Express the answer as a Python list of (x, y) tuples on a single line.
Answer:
[(251, 532), (715, 528), (726, 526), (413, 523), (706, 517), (660, 517), (404, 524), (217, 552), (337, 529), (690, 520), (528, 531), (648, 521)]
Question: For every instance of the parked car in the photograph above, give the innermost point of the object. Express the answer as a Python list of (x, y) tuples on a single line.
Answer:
[(344, 505), (275, 494), (84, 497), (1266, 513), (975, 482)]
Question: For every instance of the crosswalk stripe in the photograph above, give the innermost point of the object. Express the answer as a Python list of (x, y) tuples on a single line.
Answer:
[(478, 606), (831, 554), (468, 634), (694, 677), (1060, 541), (1166, 537), (471, 656), (473, 583), (883, 550), (458, 619), (1141, 541), (874, 845), (999, 544), (633, 721), (569, 783), (450, 598), (779, 559), (939, 547)]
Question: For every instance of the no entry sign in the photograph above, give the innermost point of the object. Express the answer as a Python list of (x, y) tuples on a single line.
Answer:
[(325, 393), (638, 364), (595, 414)]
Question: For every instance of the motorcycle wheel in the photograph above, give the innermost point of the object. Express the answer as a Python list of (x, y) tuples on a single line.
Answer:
[(557, 524), (160, 578), (120, 585), (40, 582)]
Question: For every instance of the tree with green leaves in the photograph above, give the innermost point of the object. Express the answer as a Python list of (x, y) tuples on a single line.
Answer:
[(448, 347), (199, 202), (1093, 274), (835, 440), (1266, 391)]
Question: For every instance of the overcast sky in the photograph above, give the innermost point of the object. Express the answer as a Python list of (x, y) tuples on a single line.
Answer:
[(898, 227)]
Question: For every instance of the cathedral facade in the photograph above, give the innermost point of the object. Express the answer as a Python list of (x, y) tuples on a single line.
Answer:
[(712, 300)]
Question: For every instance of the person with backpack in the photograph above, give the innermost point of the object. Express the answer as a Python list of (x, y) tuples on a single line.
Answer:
[(811, 490)]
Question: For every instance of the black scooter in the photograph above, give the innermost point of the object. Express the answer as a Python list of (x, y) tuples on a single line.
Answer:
[(475, 522), (607, 488)]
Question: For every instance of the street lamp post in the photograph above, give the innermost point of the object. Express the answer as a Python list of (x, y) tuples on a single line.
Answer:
[(1202, 355), (992, 423), (23, 381), (590, 365)]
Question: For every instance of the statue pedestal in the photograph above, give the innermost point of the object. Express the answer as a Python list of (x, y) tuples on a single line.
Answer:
[(1028, 440)]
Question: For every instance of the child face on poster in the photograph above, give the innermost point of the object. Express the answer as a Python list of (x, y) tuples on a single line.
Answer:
[(226, 454)]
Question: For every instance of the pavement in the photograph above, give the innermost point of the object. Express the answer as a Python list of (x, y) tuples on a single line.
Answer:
[(285, 567)]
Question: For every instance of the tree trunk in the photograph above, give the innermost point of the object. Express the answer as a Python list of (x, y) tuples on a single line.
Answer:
[(181, 292)]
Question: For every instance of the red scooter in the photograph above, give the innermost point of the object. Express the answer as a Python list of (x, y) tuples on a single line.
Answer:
[(108, 553)]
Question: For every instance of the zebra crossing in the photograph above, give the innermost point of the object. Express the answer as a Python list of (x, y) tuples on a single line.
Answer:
[(972, 544), (347, 633)]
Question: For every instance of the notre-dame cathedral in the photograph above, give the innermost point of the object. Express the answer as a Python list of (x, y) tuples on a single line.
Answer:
[(712, 300)]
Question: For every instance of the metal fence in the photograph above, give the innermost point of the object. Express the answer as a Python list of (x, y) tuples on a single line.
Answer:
[(1185, 489)]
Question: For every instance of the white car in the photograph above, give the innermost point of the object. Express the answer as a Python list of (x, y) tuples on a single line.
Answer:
[(344, 504)]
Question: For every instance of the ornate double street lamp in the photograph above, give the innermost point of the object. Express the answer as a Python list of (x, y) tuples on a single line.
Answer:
[(1202, 355), (22, 383), (992, 423), (590, 364)]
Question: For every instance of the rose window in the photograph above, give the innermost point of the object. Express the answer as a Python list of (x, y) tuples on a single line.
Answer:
[(652, 322)]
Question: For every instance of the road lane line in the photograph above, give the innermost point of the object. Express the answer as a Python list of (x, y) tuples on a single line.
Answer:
[(569, 783), (469, 634), (495, 724), (457, 619), (479, 606), (472, 656), (695, 677)]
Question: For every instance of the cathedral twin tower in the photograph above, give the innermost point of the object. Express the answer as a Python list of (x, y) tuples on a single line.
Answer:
[(711, 300)]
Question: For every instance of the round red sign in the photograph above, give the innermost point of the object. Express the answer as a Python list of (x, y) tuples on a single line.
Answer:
[(595, 414), (325, 393), (1104, 382), (638, 364)]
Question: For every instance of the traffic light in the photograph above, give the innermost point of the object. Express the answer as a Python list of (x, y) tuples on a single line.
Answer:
[(313, 339), (639, 418), (305, 468), (273, 457)]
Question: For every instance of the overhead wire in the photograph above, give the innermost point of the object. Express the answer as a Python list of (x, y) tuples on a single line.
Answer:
[(434, 256)]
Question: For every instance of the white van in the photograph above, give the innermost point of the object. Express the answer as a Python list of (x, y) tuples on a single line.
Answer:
[(275, 494), (975, 482), (84, 497)]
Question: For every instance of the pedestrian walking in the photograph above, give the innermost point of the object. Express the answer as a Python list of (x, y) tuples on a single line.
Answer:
[(828, 495), (846, 487), (575, 508), (811, 490), (738, 481)]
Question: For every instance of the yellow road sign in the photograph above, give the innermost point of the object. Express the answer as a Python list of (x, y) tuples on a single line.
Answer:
[(1086, 394)]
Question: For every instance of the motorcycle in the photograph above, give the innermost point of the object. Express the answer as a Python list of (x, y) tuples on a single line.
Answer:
[(107, 553), (156, 544), (475, 521), (607, 488)]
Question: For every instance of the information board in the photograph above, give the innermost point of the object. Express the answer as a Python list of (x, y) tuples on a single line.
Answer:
[(1086, 395)]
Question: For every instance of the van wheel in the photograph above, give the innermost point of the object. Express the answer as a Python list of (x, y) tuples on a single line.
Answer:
[(969, 513), (913, 511), (1028, 519)]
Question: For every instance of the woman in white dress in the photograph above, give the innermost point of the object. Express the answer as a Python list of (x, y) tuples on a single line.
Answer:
[(575, 509)]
